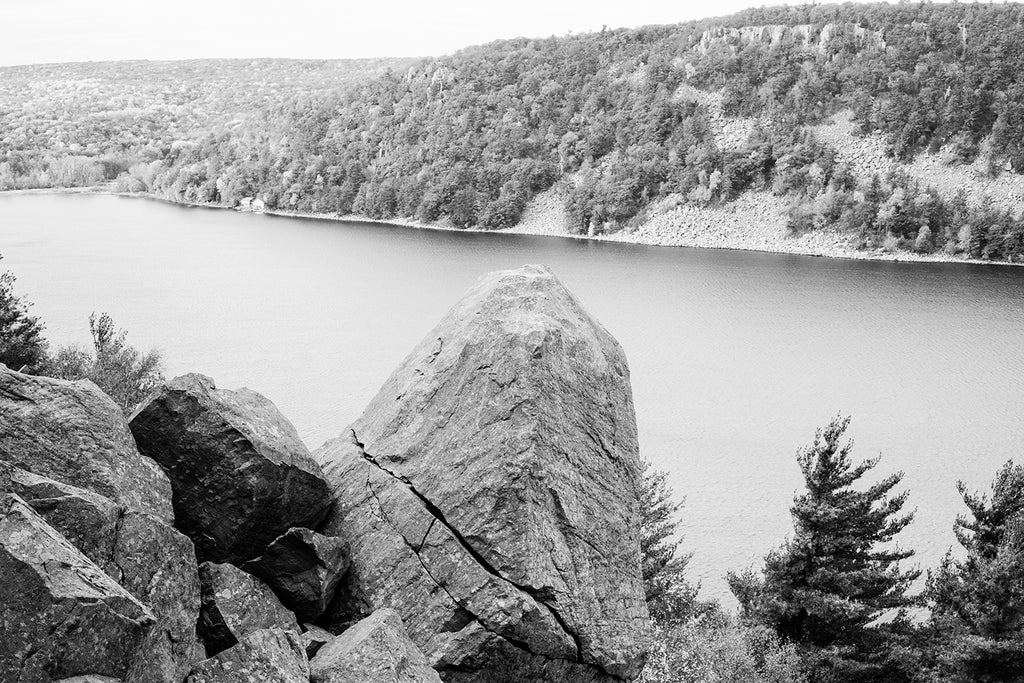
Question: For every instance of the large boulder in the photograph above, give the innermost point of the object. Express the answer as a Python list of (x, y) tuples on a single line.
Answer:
[(303, 568), (158, 565), (240, 474), (74, 433), (472, 623), (150, 559), (61, 616), (235, 604), (488, 493), (266, 656), (374, 650)]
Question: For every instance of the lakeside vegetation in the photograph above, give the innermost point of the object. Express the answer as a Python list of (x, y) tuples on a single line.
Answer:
[(611, 117), (834, 604)]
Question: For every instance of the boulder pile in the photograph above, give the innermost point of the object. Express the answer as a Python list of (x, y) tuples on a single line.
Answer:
[(478, 522)]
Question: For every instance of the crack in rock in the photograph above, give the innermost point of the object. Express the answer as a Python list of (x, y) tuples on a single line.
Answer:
[(426, 570), (438, 516)]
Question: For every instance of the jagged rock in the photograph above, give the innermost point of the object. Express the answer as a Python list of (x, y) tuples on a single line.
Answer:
[(60, 615), (241, 475), (90, 679), (155, 563), (463, 615), (314, 638), (265, 656), (235, 604), (488, 493), (87, 519), (303, 568), (74, 433), (374, 650), (158, 565)]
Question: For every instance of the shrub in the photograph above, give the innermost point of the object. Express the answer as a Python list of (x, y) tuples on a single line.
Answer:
[(22, 346), (715, 648), (119, 369)]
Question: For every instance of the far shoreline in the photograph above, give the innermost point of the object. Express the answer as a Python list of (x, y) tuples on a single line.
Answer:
[(616, 238)]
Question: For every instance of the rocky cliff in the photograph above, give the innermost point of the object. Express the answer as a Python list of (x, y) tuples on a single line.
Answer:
[(481, 520)]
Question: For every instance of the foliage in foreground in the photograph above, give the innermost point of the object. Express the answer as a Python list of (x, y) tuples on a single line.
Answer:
[(123, 372), (835, 588), (126, 374), (715, 647), (695, 641), (832, 604), (22, 345), (670, 597), (977, 603)]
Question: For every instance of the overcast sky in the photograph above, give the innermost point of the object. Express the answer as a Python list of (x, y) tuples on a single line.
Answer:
[(38, 31)]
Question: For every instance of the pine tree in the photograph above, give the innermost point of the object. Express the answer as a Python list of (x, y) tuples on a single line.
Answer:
[(670, 597), (22, 346), (827, 588), (977, 604)]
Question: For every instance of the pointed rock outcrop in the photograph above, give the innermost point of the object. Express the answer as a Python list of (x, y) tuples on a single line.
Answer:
[(374, 650), (240, 474), (236, 604), (303, 568), (74, 433), (61, 616), (266, 656), (488, 493)]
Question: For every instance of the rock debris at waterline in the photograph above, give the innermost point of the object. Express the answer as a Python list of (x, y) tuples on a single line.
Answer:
[(469, 526)]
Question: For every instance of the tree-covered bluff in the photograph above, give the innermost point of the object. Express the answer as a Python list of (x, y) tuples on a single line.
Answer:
[(625, 124)]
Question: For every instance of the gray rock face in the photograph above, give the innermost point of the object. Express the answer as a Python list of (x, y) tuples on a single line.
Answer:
[(265, 656), (155, 563), (240, 474), (488, 493), (85, 518), (374, 650), (303, 568), (61, 616), (74, 433), (158, 565), (314, 638), (5, 476), (235, 604)]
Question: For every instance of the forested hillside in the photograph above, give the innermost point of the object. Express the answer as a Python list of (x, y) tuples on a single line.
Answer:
[(625, 124), (68, 125)]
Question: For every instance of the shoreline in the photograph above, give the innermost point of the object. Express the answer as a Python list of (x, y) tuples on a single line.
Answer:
[(795, 247)]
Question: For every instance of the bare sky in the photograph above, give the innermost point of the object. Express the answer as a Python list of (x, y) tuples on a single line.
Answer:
[(38, 31)]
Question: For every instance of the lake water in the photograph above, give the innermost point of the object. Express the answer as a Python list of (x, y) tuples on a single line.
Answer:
[(736, 357)]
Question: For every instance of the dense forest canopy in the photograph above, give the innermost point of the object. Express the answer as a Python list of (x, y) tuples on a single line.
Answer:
[(66, 125), (617, 119)]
